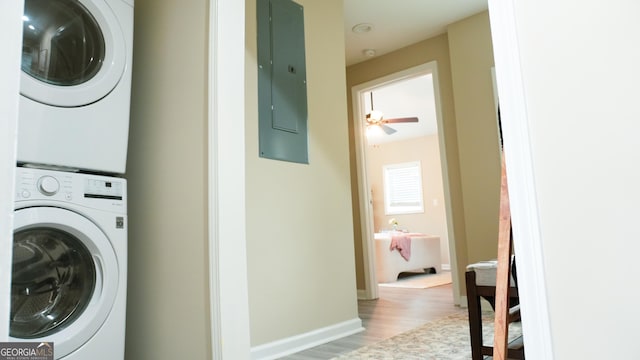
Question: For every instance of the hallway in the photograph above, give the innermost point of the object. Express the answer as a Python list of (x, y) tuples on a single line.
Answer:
[(396, 311)]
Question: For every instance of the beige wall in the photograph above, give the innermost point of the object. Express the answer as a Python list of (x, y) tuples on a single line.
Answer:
[(464, 58), (167, 314), (426, 150), (471, 54), (299, 222)]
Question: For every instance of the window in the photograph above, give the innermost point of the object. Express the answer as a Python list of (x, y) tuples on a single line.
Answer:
[(403, 188)]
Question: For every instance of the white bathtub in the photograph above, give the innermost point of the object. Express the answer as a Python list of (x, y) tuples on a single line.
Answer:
[(425, 253)]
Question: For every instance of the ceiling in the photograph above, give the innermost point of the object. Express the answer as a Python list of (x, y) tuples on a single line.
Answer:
[(396, 24), (393, 25)]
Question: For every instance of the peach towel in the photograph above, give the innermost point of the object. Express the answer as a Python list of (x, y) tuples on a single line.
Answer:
[(403, 244)]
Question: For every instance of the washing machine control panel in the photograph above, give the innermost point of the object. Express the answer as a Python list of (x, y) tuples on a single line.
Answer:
[(95, 191), (103, 189), (36, 184)]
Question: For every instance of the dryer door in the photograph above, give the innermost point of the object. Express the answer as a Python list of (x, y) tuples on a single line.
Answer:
[(64, 278), (73, 51)]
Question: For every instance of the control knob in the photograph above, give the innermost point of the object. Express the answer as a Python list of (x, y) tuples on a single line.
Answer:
[(48, 185)]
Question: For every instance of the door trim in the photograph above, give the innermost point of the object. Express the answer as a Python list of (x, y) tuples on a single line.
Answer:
[(522, 191), (366, 215), (228, 289)]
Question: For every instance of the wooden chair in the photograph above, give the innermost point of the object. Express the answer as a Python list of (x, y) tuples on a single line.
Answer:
[(475, 293), (503, 297)]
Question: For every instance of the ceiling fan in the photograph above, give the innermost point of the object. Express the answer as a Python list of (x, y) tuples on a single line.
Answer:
[(375, 118)]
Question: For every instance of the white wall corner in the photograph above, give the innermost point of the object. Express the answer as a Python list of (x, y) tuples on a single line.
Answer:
[(294, 344), (230, 327), (522, 190)]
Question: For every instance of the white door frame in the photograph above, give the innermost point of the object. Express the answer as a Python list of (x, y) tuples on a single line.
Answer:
[(229, 309), (521, 179), (366, 211)]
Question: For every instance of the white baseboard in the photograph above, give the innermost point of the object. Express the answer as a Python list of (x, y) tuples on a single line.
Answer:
[(294, 344), (362, 294), (446, 267)]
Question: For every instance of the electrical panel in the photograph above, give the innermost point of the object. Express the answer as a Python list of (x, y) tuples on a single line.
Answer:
[(282, 82)]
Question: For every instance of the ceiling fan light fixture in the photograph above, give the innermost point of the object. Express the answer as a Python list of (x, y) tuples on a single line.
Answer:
[(374, 119), (374, 116), (374, 131)]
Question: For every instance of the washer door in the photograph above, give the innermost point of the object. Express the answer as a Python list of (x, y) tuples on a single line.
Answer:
[(73, 51), (64, 278)]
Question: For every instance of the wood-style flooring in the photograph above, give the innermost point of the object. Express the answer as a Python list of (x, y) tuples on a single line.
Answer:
[(396, 311)]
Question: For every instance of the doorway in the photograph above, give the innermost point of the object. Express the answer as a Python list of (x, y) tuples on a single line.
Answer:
[(420, 84)]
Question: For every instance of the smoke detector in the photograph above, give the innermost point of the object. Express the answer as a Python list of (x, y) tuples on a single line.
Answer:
[(369, 52), (362, 28)]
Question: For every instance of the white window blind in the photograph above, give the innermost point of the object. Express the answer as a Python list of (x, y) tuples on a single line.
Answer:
[(403, 188)]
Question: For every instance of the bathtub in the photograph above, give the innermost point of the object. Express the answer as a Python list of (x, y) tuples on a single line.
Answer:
[(425, 253)]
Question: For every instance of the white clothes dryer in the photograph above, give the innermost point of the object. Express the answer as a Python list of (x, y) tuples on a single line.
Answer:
[(75, 84), (69, 274)]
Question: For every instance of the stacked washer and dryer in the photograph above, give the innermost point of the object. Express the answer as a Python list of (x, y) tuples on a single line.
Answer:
[(69, 276)]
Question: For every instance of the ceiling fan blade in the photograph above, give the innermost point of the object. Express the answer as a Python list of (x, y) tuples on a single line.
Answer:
[(387, 129), (401, 120)]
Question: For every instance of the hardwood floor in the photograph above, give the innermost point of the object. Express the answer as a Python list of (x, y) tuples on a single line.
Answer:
[(396, 311)]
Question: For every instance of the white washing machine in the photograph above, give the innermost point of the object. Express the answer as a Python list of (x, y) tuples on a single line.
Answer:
[(75, 84), (69, 274)]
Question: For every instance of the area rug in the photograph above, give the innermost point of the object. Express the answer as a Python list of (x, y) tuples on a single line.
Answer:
[(421, 281), (443, 339)]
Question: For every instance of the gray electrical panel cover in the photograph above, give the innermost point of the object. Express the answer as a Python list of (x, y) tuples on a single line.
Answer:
[(282, 82)]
